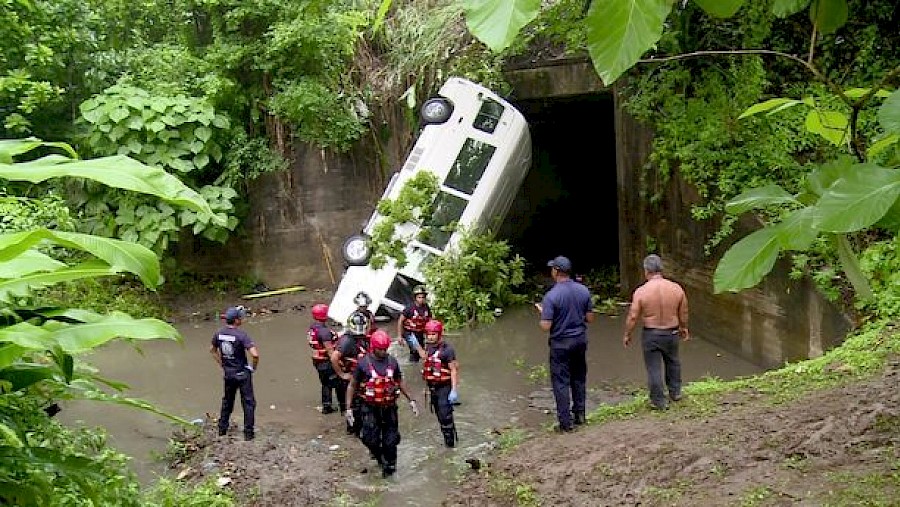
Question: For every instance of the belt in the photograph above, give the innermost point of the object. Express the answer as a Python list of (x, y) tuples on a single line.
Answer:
[(661, 331)]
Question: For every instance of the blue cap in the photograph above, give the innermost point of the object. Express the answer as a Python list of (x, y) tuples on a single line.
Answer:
[(561, 263), (235, 312)]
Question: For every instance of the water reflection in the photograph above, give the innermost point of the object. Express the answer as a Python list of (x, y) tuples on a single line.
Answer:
[(495, 391)]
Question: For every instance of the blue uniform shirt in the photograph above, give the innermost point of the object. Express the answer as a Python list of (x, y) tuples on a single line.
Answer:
[(565, 306)]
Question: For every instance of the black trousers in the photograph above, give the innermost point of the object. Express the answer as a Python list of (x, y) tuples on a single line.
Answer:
[(381, 433), (443, 409), (248, 403), (568, 374), (355, 404), (330, 381), (660, 348)]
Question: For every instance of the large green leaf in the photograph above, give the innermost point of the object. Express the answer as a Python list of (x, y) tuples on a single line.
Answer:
[(850, 265), (720, 8), (30, 261), (784, 8), (10, 353), (14, 147), (79, 338), (120, 255), (889, 113), (22, 376), (759, 198), (620, 31), (497, 22), (89, 391), (23, 285), (858, 200), (822, 177), (93, 332), (747, 261), (796, 231), (828, 15), (118, 171)]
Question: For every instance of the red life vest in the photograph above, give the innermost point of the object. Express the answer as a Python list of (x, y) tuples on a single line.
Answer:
[(420, 315), (319, 352), (349, 363), (380, 390), (433, 369)]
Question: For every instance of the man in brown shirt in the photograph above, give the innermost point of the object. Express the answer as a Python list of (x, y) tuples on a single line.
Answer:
[(663, 308)]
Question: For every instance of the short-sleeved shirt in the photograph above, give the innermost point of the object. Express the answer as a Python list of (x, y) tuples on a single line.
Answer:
[(232, 343), (447, 353), (323, 335), (381, 366), (565, 305), (417, 315)]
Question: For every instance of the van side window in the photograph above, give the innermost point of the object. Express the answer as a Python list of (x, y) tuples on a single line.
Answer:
[(488, 116), (469, 166), (438, 228)]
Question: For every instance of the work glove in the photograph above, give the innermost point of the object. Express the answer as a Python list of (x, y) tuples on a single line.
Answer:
[(249, 368), (411, 340), (414, 407), (453, 397), (349, 416)]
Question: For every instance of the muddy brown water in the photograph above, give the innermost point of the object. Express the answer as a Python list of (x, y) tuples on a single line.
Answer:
[(497, 390)]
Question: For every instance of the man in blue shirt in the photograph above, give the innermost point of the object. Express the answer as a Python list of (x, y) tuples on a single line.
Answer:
[(565, 312), (230, 348)]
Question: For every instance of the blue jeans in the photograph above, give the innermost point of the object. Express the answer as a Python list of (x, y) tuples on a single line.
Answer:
[(568, 374), (661, 359)]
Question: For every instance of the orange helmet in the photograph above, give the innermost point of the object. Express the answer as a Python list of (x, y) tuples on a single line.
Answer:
[(380, 340), (320, 312)]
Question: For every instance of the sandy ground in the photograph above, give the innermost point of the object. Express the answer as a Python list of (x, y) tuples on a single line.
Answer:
[(818, 450)]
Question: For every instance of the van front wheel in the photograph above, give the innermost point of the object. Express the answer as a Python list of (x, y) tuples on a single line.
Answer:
[(436, 110), (356, 250)]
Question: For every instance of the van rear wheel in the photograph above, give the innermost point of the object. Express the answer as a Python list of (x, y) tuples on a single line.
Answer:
[(436, 110), (356, 250)]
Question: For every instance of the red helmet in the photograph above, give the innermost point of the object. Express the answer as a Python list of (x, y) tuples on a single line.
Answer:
[(380, 340), (320, 312), (434, 326)]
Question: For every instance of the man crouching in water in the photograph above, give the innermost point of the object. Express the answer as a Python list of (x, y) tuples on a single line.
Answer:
[(380, 382)]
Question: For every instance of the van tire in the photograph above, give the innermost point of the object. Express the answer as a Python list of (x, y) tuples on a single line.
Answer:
[(436, 110), (356, 251)]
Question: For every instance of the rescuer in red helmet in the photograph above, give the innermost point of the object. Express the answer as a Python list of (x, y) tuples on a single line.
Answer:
[(440, 370), (379, 382), (322, 341)]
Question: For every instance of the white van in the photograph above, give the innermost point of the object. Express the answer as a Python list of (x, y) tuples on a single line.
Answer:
[(479, 147)]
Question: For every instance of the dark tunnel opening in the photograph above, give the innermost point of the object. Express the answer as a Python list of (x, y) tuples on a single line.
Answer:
[(568, 202)]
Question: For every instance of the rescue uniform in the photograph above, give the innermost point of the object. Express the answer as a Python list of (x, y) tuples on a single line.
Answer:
[(317, 335), (352, 348), (232, 344), (436, 373), (415, 317), (378, 383)]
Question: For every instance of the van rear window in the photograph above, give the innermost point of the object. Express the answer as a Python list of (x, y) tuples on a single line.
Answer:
[(469, 166)]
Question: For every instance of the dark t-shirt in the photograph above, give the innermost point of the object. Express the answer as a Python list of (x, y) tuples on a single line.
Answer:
[(416, 314), (446, 355), (232, 343), (565, 306)]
